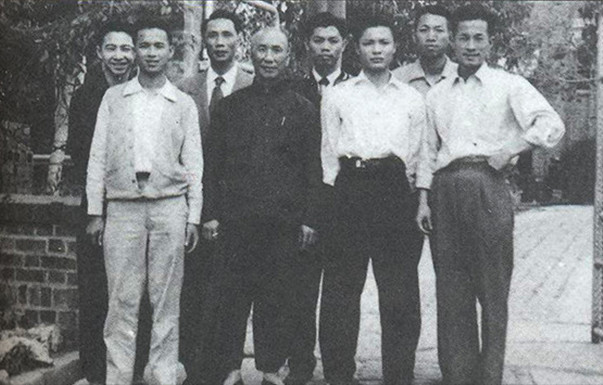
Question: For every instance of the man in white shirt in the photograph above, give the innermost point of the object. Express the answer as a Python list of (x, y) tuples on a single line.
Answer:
[(146, 163), (221, 37), (479, 121), (372, 129), (432, 40)]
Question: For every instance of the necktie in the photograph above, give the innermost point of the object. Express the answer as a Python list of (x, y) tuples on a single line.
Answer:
[(322, 84), (217, 93)]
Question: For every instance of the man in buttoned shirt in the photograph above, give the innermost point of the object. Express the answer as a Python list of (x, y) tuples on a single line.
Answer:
[(372, 128), (146, 164), (263, 168), (221, 37), (479, 121), (431, 37), (326, 39)]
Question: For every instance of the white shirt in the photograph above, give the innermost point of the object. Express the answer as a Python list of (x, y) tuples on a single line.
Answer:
[(361, 120), (147, 109), (491, 110), (331, 77), (229, 80)]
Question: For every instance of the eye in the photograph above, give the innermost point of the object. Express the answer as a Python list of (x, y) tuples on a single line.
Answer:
[(334, 40), (318, 40), (126, 48)]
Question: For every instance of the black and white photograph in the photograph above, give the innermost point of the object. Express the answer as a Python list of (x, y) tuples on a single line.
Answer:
[(301, 192)]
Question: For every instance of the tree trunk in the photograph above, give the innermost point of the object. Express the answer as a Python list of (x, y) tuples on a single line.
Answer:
[(193, 17), (337, 8)]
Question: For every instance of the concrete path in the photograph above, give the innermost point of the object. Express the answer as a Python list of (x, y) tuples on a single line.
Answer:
[(549, 329)]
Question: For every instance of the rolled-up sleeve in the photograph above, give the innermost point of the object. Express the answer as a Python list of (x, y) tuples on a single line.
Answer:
[(192, 160), (331, 127), (95, 180), (429, 150), (540, 124)]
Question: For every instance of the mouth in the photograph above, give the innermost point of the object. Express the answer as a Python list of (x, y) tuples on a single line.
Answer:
[(220, 53), (119, 66), (471, 56), (377, 60)]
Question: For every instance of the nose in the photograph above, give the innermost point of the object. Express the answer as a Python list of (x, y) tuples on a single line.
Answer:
[(219, 41), (325, 47), (431, 35), (470, 45), (269, 56)]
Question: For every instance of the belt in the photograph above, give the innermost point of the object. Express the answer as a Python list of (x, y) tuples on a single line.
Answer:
[(356, 163), (470, 159)]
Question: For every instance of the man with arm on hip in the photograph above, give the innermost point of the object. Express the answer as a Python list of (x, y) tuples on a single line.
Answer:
[(372, 129), (145, 164), (479, 121), (432, 39), (221, 37)]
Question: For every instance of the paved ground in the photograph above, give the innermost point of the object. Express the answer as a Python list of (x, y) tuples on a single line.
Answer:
[(549, 329)]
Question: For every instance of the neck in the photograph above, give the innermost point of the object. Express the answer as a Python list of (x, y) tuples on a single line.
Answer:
[(325, 71), (465, 72), (222, 68), (378, 77), (152, 81), (433, 65), (113, 79)]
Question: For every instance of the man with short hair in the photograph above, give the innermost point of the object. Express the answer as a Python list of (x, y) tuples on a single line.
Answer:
[(262, 171), (326, 39), (146, 165), (432, 39), (372, 129), (480, 120), (221, 36), (115, 51)]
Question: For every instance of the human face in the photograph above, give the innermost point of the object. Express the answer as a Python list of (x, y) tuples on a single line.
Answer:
[(116, 52), (431, 36), (221, 41), (472, 44), (153, 50), (325, 47), (376, 49), (270, 54)]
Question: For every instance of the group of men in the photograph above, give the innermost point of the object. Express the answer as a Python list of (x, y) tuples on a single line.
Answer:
[(291, 180)]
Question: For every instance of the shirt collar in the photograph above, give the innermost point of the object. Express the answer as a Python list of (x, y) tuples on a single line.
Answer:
[(168, 90), (229, 77), (416, 70), (332, 77), (483, 74), (393, 81)]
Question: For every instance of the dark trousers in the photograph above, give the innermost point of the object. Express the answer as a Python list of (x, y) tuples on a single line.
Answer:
[(374, 218), (261, 258), (93, 305), (472, 247), (199, 315)]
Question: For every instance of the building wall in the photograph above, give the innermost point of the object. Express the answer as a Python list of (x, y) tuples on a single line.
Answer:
[(38, 264)]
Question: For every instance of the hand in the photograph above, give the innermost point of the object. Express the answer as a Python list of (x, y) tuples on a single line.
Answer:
[(500, 160), (307, 237), (424, 214), (210, 230), (191, 238), (94, 230)]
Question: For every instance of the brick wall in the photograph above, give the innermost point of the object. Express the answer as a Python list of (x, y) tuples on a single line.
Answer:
[(38, 262)]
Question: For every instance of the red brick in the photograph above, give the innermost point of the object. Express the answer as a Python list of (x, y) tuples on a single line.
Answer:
[(35, 245), (67, 322), (65, 298), (30, 275), (7, 274), (21, 229), (72, 247), (63, 231), (7, 244), (48, 316), (30, 319), (23, 294), (11, 260), (59, 263), (45, 297), (32, 261), (72, 279), (34, 296), (56, 246), (44, 230), (56, 277)]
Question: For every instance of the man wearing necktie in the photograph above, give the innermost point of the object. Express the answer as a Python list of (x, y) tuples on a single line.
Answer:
[(326, 39), (199, 300)]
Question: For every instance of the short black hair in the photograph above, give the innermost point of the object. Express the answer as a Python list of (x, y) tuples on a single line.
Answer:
[(325, 19), (365, 23), (222, 14), (433, 9), (152, 23), (473, 12), (113, 26)]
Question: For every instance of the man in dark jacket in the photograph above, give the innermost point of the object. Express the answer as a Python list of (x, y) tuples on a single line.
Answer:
[(115, 49), (262, 171)]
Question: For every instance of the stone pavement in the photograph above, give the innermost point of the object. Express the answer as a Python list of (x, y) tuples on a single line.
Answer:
[(549, 328)]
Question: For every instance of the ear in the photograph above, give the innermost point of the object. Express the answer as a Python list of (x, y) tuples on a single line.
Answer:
[(98, 52), (171, 51), (346, 40)]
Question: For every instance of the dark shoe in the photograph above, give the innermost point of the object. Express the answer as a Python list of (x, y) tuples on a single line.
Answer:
[(293, 380)]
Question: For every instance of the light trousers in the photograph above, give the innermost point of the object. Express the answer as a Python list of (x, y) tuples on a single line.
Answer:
[(144, 248)]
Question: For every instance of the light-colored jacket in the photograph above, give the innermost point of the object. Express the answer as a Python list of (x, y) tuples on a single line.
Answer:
[(177, 162)]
